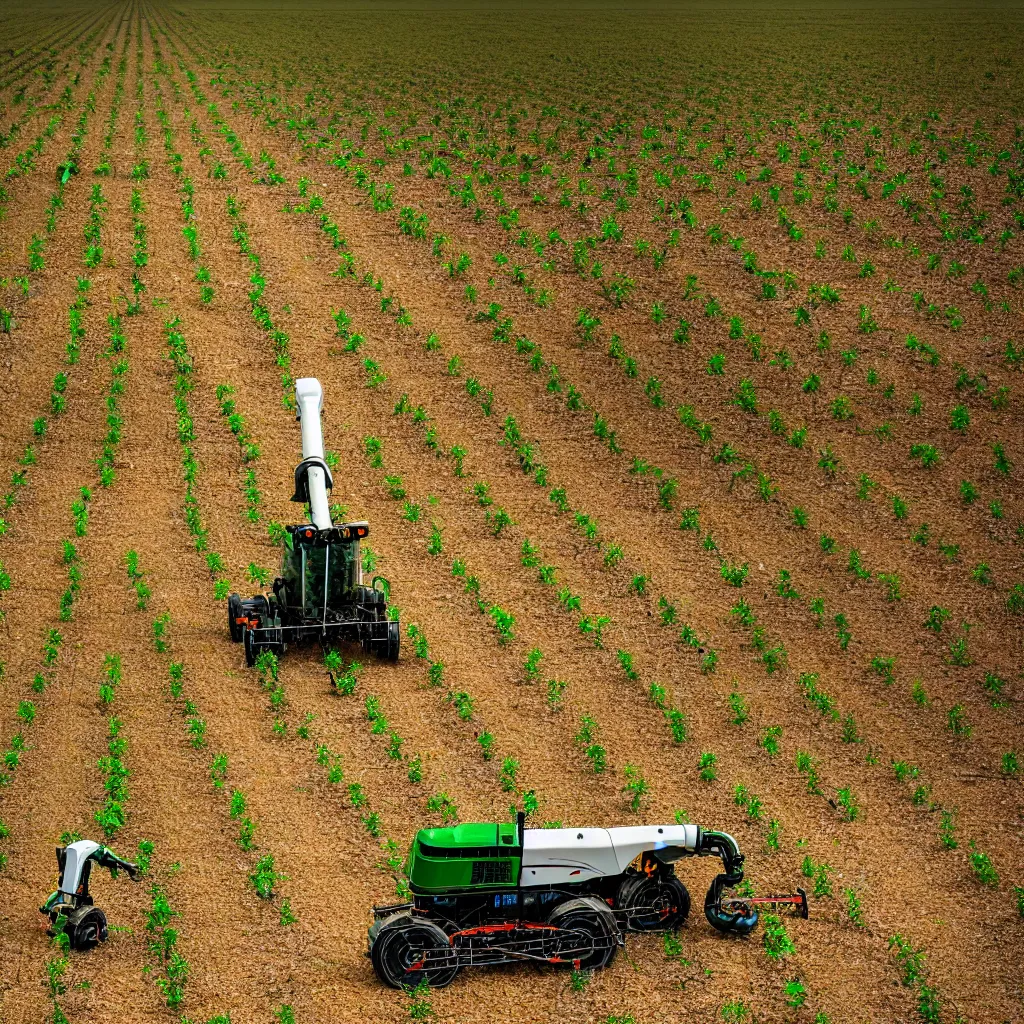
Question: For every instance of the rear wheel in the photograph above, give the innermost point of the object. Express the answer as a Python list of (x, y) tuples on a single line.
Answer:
[(653, 903), (389, 651), (86, 928), (588, 935), (235, 612), (405, 952)]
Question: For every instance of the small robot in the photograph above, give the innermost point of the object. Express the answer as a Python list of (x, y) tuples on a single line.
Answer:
[(85, 924)]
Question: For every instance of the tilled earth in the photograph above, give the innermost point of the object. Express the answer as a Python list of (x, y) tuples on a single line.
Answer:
[(839, 626)]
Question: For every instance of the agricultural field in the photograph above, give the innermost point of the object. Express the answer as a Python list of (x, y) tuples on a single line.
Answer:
[(674, 358)]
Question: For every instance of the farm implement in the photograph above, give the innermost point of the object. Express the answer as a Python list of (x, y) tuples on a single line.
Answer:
[(320, 595), (487, 894), (84, 923)]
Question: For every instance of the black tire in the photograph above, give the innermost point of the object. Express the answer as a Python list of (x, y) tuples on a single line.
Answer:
[(653, 904), (251, 647), (589, 937), (390, 650), (235, 611), (86, 928), (400, 942)]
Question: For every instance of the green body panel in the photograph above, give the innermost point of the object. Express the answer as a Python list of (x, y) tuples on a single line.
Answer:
[(460, 837), (306, 567), (470, 856)]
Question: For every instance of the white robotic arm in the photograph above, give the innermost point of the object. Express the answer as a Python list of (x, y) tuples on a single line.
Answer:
[(312, 475)]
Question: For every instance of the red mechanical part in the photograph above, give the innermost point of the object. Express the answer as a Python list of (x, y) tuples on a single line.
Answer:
[(797, 900), (508, 926)]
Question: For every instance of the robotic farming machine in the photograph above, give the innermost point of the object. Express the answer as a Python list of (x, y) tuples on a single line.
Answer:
[(85, 924), (320, 593), (493, 894)]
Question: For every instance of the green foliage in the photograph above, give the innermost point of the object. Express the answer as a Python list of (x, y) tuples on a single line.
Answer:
[(735, 575), (796, 993), (982, 868), (770, 739), (848, 805), (750, 802), (808, 767), (708, 766), (776, 940), (738, 707), (587, 739), (635, 786), (264, 877), (853, 908)]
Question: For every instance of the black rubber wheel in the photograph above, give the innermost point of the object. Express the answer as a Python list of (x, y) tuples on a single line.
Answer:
[(389, 651), (588, 935), (251, 647), (653, 904), (235, 611), (86, 928), (399, 946)]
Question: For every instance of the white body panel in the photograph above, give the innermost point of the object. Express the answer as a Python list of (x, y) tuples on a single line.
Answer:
[(309, 400), (554, 856), (634, 839), (75, 857)]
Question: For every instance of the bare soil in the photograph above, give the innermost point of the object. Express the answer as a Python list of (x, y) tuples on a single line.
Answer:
[(214, 101)]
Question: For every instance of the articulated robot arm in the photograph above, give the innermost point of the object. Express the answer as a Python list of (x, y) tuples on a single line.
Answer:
[(735, 915), (312, 475), (721, 844), (106, 858), (75, 862)]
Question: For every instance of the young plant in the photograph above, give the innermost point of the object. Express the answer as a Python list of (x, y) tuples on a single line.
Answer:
[(636, 786), (776, 940)]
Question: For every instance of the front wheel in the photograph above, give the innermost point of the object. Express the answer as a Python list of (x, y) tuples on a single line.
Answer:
[(658, 903), (405, 952), (86, 928)]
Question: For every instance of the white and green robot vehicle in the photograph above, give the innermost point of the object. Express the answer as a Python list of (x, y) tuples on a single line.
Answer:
[(320, 595), (491, 894)]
